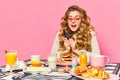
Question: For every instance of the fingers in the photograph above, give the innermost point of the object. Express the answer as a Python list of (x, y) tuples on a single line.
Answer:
[(69, 43), (72, 43), (66, 43), (65, 39)]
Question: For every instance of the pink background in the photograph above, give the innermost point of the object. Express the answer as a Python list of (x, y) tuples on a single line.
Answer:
[(30, 25)]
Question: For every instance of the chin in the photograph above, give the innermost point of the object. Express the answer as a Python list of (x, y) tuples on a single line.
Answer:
[(74, 30)]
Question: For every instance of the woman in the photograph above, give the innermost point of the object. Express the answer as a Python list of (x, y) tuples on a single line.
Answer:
[(76, 34)]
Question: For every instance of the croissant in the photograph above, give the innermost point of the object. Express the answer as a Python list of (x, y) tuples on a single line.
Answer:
[(79, 70), (94, 72)]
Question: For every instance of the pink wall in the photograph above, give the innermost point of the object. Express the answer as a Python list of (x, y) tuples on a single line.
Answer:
[(30, 25)]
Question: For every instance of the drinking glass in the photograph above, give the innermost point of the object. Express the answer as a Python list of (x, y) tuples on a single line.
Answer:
[(52, 61), (11, 57)]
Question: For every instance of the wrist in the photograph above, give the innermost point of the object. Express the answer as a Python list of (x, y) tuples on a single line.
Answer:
[(68, 48), (73, 50), (76, 51)]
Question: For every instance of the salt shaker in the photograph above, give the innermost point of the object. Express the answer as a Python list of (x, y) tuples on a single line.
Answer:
[(74, 62)]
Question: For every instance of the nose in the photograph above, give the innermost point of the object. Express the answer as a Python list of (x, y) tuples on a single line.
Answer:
[(73, 20)]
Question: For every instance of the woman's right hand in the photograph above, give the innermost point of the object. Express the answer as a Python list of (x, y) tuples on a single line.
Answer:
[(66, 43)]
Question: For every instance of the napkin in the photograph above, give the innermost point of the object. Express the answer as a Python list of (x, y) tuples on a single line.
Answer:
[(18, 65), (7, 68)]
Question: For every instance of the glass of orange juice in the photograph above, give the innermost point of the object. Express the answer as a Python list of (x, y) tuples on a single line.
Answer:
[(11, 57)]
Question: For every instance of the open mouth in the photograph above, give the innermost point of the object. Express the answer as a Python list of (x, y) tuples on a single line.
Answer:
[(73, 25)]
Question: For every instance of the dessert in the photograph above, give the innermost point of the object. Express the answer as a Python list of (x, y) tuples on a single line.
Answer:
[(66, 57)]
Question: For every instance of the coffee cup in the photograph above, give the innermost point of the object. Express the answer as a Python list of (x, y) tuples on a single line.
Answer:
[(98, 60)]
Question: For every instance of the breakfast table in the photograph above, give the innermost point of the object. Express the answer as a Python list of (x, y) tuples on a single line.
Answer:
[(112, 68)]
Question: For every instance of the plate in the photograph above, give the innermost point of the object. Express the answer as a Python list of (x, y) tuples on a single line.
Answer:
[(112, 77), (37, 70), (58, 74), (61, 63), (64, 63)]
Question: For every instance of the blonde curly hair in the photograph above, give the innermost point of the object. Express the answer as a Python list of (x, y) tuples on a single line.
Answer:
[(83, 39)]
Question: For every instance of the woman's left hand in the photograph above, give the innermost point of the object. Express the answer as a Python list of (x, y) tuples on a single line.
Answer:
[(72, 43)]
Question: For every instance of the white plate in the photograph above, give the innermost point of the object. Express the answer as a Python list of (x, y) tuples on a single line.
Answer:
[(58, 74), (64, 63), (112, 77), (36, 70)]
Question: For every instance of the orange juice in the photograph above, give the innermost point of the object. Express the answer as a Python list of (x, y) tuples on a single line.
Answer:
[(11, 58), (36, 63), (83, 59), (35, 60)]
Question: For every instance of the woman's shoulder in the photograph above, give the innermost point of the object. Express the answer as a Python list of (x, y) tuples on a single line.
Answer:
[(93, 33), (57, 33)]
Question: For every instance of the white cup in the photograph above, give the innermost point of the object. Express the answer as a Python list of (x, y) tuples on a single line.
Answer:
[(99, 60), (35, 57), (52, 62)]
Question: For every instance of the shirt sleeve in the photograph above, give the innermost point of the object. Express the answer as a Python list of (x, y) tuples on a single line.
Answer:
[(55, 46), (95, 46)]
